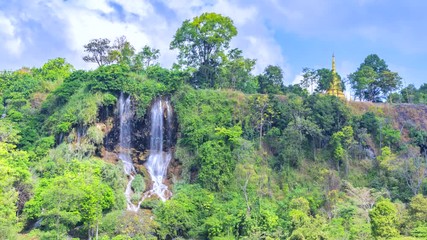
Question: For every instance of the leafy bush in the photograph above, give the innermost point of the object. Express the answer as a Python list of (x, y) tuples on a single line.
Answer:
[(138, 184)]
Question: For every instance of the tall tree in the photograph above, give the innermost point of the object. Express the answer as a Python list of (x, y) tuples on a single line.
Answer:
[(202, 43), (236, 72), (373, 80), (145, 58), (97, 50), (121, 51), (271, 80), (55, 69)]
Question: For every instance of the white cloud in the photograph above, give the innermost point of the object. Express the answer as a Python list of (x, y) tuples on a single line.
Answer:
[(265, 50), (142, 8), (297, 79), (241, 15), (12, 43)]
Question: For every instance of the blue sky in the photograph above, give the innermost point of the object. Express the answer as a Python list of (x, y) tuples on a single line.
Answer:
[(290, 33)]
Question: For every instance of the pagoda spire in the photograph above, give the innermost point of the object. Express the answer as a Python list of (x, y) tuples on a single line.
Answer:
[(333, 64), (335, 86)]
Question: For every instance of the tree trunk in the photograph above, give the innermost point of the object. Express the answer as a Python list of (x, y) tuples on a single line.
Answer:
[(97, 228), (89, 235)]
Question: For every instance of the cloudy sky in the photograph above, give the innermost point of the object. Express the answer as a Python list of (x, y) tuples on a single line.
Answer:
[(290, 33)]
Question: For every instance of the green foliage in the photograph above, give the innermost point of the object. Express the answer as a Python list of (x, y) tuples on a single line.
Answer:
[(77, 195), (373, 78), (302, 224), (109, 78), (389, 136), (8, 132), (82, 108), (98, 50), (14, 182), (18, 85), (236, 73), (329, 113), (216, 165), (370, 122), (172, 79), (54, 69), (144, 92), (418, 213), (245, 166), (138, 184), (419, 138), (410, 94), (202, 43), (271, 81), (95, 135), (145, 58), (342, 141), (183, 215), (121, 52), (128, 225), (231, 135), (321, 78), (70, 86), (384, 220), (200, 112)]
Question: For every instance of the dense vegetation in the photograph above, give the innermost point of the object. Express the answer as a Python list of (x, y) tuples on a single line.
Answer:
[(257, 159)]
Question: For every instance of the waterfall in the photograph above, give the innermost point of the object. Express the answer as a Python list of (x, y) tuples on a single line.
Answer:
[(159, 158), (125, 113)]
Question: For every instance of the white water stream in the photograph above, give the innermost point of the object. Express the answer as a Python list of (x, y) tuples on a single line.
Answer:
[(124, 144), (159, 157)]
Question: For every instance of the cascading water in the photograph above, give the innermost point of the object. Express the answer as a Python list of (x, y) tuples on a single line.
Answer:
[(124, 144), (159, 158)]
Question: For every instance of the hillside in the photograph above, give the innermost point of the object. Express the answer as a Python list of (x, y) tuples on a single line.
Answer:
[(243, 165), (207, 149)]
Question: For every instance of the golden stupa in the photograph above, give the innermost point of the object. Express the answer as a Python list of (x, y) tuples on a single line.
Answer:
[(335, 87)]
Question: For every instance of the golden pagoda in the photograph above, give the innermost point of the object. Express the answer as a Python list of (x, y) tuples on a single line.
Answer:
[(335, 87)]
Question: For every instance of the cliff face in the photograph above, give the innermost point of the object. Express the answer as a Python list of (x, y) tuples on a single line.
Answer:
[(140, 139), (402, 115), (140, 132), (411, 114)]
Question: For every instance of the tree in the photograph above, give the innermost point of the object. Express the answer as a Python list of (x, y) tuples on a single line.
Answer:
[(298, 130), (321, 78), (263, 114), (409, 94), (202, 43), (121, 52), (184, 213), (69, 199), (373, 80), (414, 169), (236, 72), (55, 69), (216, 165), (342, 141), (309, 79), (14, 181), (271, 81), (418, 220), (329, 113), (147, 57), (384, 220), (98, 50)]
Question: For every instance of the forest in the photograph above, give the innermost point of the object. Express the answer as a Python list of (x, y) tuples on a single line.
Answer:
[(251, 158)]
